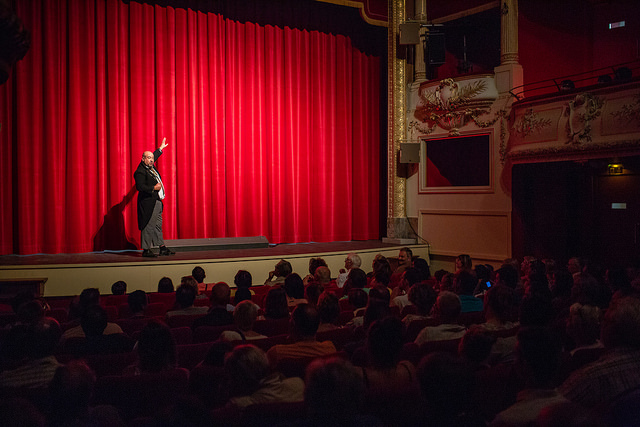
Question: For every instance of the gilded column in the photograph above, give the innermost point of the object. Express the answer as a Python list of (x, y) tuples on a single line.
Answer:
[(396, 185)]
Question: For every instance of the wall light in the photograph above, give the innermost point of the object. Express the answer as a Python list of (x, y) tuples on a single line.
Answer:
[(616, 169)]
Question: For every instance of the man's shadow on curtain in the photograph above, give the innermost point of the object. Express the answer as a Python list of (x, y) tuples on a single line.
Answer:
[(112, 234)]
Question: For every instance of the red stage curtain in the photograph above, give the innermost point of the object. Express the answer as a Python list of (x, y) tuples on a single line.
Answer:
[(272, 130)]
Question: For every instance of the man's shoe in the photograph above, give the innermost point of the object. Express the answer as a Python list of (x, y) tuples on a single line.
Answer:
[(166, 251), (148, 253)]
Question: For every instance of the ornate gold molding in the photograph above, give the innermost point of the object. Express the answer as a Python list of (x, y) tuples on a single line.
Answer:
[(396, 185)]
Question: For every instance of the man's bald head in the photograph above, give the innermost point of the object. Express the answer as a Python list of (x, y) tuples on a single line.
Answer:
[(148, 158)]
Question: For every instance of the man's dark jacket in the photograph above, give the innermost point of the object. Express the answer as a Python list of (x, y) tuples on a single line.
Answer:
[(147, 196)]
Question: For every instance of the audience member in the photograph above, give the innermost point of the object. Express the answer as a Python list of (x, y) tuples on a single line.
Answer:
[(304, 325), (243, 282), (137, 301), (275, 304), (294, 288), (400, 294), (219, 312), (463, 263), (350, 262), (281, 270), (445, 381), (96, 340), (313, 292), (185, 297), (156, 349), (322, 277), (244, 317), (405, 261), (475, 347), (28, 355), (357, 279), (618, 370), (539, 352), (329, 311), (165, 286), (314, 263), (447, 310), (464, 284), (199, 275), (251, 381), (88, 298), (119, 288), (334, 395), (423, 297), (385, 371)]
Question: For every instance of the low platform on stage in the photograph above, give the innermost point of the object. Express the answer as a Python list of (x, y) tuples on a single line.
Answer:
[(220, 243)]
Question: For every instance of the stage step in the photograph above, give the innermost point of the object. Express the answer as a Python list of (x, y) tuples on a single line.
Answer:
[(219, 243)]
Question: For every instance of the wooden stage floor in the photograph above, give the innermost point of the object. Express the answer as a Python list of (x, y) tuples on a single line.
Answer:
[(68, 274)]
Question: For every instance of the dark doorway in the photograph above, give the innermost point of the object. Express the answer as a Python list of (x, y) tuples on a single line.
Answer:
[(565, 209)]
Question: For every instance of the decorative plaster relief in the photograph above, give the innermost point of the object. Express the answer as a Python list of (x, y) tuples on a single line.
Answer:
[(582, 110), (623, 116)]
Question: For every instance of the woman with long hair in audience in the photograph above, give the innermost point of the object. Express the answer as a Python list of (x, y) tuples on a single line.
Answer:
[(275, 304)]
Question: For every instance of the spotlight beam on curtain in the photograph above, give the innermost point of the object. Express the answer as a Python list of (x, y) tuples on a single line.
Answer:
[(273, 130)]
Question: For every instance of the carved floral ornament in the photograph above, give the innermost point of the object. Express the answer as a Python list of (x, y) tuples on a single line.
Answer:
[(629, 113), (582, 110), (451, 106), (531, 122)]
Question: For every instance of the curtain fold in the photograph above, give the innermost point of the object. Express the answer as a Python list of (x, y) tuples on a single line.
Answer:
[(273, 129)]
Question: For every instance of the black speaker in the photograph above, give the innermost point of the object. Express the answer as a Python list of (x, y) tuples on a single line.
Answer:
[(434, 50)]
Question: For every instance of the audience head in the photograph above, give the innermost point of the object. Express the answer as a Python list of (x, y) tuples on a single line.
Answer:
[(334, 391), (464, 283), (575, 265), (446, 284), (70, 392), (245, 315), (561, 283), (357, 279), (352, 261), (583, 324), (322, 275), (463, 262), (538, 351), (358, 298), (21, 298), (275, 305), (422, 266), (405, 257), (621, 324), (30, 312), (293, 286), (137, 301), (507, 275), (305, 321), (411, 276), (185, 295), (93, 321), (245, 369), (376, 310), (379, 293), (527, 261), (328, 308), (189, 281), (588, 291), (88, 297), (445, 381), (32, 341), (242, 294), (384, 342), (283, 268), (314, 263), (165, 285), (198, 274), (312, 293), (220, 295), (423, 297), (448, 307), (536, 310), (476, 344), (156, 348), (482, 273), (243, 279), (499, 302), (382, 271), (119, 288)]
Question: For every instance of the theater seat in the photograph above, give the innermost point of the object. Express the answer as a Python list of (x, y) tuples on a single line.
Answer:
[(271, 327), (142, 395), (189, 355)]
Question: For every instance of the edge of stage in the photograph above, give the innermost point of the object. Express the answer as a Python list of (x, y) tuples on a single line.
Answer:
[(69, 274)]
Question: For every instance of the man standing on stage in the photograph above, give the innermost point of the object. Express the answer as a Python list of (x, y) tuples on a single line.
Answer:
[(150, 195)]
